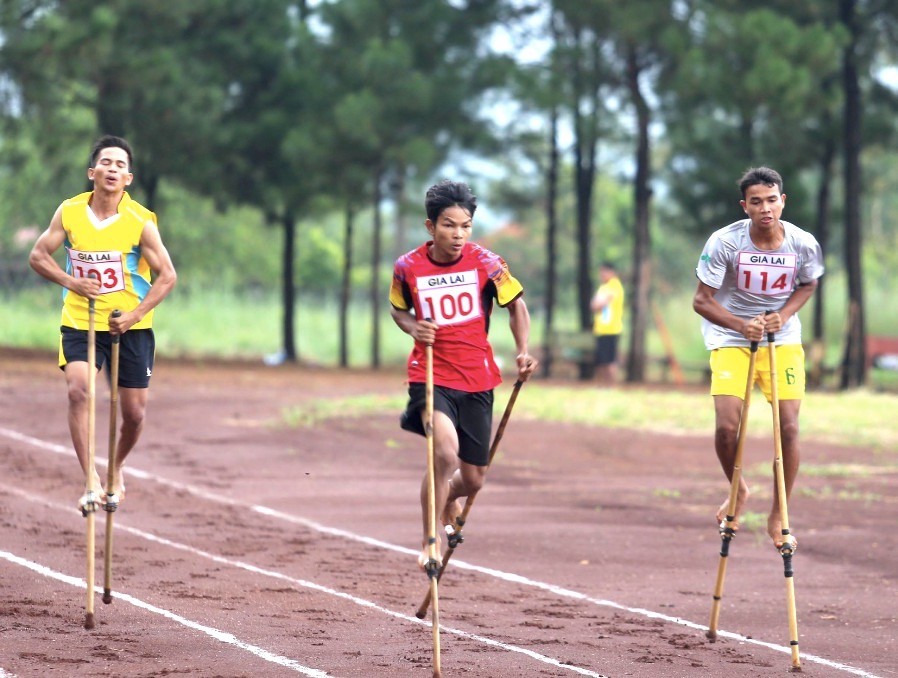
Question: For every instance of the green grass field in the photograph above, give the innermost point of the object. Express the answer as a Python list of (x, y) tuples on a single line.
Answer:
[(248, 327), (859, 418), (211, 324)]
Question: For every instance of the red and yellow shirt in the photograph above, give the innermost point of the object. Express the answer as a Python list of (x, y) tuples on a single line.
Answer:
[(458, 297)]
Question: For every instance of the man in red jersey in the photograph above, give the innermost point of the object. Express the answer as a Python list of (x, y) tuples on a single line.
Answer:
[(442, 295)]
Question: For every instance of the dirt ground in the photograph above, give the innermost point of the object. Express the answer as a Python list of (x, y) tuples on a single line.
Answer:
[(247, 547)]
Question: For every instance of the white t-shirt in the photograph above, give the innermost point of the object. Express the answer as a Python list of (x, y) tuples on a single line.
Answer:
[(750, 281)]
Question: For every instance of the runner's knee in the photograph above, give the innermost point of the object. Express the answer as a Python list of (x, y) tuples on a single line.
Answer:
[(77, 393), (789, 432), (133, 415), (473, 477), (725, 436), (445, 458)]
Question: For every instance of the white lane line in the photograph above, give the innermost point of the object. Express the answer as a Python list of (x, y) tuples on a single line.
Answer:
[(505, 576), (559, 591), (364, 603), (304, 583), (216, 634)]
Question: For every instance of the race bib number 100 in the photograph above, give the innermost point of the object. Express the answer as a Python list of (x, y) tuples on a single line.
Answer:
[(104, 266), (762, 273), (451, 298)]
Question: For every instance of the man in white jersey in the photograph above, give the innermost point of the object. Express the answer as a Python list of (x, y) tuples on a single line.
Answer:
[(753, 277)]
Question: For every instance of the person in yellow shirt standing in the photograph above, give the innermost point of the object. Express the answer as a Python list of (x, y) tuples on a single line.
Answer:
[(608, 306), (113, 251)]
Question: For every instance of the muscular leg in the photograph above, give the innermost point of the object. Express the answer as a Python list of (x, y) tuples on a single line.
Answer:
[(465, 482), (791, 458), (76, 376), (445, 463), (727, 411), (133, 403)]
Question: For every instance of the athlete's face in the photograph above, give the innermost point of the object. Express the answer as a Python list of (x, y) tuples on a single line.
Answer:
[(450, 233), (764, 205), (111, 171)]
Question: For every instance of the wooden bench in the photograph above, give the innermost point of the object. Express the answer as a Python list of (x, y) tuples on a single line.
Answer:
[(573, 351), (572, 355), (682, 373), (882, 352)]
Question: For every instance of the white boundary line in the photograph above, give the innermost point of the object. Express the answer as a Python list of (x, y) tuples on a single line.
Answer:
[(221, 636), (304, 583), (557, 590), (505, 576)]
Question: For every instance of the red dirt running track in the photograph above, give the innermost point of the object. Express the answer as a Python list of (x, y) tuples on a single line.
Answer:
[(247, 547)]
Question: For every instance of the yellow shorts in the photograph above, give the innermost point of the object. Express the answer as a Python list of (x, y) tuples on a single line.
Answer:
[(729, 371)]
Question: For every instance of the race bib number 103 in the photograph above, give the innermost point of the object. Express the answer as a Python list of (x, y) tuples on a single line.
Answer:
[(450, 299), (104, 266)]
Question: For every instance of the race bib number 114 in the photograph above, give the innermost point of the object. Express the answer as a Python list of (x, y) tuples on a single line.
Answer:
[(763, 273), (103, 266)]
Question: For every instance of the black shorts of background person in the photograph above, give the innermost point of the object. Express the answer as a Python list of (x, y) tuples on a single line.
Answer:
[(606, 349)]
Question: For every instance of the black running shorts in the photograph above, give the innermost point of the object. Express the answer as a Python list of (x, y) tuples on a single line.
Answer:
[(137, 349), (470, 413)]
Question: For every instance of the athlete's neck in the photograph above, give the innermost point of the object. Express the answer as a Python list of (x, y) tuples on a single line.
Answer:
[(441, 257), (105, 205), (767, 237)]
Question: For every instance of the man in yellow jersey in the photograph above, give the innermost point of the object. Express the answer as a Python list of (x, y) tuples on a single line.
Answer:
[(608, 306), (113, 247)]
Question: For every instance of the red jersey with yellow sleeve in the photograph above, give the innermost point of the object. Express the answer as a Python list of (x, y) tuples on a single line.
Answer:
[(458, 297), (108, 250)]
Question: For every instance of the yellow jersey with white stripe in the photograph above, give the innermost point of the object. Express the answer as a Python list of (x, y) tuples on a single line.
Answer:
[(108, 250), (610, 320)]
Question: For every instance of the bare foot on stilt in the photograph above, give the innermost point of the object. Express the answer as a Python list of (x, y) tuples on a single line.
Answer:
[(722, 511), (451, 511), (97, 485), (90, 502), (424, 556), (118, 487), (775, 530)]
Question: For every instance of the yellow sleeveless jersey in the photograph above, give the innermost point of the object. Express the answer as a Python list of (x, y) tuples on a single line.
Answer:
[(108, 250)]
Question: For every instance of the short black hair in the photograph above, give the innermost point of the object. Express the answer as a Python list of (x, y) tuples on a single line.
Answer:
[(760, 176), (448, 193), (110, 141)]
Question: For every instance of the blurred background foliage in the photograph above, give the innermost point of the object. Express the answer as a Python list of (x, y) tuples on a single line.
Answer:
[(286, 146)]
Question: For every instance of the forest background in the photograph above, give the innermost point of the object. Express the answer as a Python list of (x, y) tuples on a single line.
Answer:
[(286, 147)]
